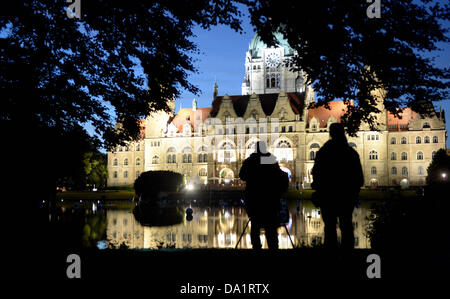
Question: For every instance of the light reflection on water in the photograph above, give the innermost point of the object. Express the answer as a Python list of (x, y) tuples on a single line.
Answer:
[(220, 227)]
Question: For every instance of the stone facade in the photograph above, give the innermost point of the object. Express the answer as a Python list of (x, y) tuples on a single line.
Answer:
[(209, 145)]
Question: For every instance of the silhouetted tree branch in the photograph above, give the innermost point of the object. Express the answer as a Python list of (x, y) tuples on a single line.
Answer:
[(347, 55)]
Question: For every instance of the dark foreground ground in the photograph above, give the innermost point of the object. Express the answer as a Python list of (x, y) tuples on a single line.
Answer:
[(173, 268)]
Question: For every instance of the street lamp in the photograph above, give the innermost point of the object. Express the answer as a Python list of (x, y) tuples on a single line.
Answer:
[(444, 175)]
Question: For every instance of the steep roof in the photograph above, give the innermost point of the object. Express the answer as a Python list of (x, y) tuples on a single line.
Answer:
[(188, 114), (268, 102), (337, 109), (395, 123)]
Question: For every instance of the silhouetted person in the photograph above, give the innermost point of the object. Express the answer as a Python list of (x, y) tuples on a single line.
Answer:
[(265, 182), (337, 177)]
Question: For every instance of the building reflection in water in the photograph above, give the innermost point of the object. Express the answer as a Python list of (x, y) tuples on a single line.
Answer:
[(221, 228)]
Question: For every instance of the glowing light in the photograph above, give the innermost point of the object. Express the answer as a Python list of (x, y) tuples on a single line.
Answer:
[(190, 187), (444, 175)]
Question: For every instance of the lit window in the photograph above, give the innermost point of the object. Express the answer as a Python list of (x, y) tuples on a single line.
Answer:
[(404, 156), (373, 155), (393, 156), (404, 171), (420, 170), (419, 156)]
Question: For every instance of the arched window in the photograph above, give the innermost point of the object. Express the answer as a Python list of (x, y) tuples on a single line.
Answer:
[(187, 158), (373, 170), (115, 174), (283, 151), (155, 160), (373, 155), (404, 171), (426, 139), (403, 140), (125, 162), (200, 158), (426, 125), (420, 170), (115, 162), (404, 156), (283, 144), (312, 155), (171, 156), (138, 147), (314, 146), (419, 156), (393, 140), (418, 140), (272, 82), (138, 161), (125, 174), (394, 170), (435, 139), (205, 158), (393, 156)]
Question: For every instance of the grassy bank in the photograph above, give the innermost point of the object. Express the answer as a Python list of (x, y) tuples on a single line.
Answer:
[(290, 195), (99, 195)]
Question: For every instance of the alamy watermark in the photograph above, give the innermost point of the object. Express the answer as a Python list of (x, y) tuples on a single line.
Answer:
[(374, 269), (374, 9), (74, 268), (74, 10)]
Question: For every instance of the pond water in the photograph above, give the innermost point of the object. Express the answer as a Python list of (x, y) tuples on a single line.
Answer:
[(114, 225)]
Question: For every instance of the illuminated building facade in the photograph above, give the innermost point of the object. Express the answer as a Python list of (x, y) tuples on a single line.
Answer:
[(209, 145)]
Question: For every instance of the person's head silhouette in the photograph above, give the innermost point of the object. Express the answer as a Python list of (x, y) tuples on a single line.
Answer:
[(261, 147), (337, 133)]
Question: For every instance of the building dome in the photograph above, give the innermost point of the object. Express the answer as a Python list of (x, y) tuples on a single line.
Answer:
[(256, 45)]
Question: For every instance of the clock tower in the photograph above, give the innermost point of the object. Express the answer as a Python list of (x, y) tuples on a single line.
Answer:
[(267, 69)]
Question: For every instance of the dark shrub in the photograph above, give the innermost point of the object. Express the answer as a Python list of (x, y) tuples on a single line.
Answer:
[(150, 183)]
